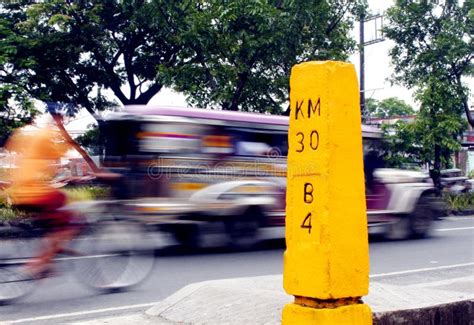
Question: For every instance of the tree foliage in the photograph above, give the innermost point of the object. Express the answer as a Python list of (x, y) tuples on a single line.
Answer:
[(16, 106), (433, 39), (371, 107), (433, 53), (433, 136), (90, 141), (232, 54), (413, 143), (400, 145), (388, 107), (244, 50), (16, 110), (69, 51)]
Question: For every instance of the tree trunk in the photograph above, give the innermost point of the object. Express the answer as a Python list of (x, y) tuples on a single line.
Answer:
[(74, 144), (435, 172), (463, 96), (101, 126)]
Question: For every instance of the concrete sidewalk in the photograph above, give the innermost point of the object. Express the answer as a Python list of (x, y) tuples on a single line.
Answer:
[(445, 297)]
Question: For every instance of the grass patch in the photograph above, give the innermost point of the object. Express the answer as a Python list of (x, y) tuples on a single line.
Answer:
[(86, 193), (74, 194), (8, 214), (457, 202)]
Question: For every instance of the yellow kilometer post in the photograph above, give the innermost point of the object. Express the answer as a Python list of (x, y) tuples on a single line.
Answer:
[(326, 263)]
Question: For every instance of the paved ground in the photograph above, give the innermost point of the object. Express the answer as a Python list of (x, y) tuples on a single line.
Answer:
[(62, 299), (259, 300), (442, 296)]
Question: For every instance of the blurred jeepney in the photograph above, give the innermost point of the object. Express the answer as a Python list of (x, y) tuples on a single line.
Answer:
[(187, 169), (192, 169)]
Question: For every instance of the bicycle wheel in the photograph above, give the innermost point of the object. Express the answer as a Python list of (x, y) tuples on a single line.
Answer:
[(14, 282), (114, 255)]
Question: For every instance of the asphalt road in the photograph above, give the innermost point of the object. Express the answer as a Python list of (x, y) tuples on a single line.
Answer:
[(63, 299)]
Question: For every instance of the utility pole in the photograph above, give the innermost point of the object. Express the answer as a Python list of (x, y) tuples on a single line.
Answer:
[(362, 67), (378, 37)]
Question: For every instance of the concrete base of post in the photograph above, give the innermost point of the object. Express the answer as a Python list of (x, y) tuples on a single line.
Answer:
[(350, 314)]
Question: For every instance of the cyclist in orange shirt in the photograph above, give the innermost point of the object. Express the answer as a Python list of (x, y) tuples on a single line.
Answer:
[(38, 153)]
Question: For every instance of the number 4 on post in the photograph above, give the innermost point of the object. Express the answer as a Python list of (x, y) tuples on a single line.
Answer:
[(307, 223)]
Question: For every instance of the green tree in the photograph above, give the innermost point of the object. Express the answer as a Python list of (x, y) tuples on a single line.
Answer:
[(433, 136), (90, 141), (244, 50), (13, 117), (433, 53), (400, 145), (433, 39), (16, 106), (414, 143), (439, 125), (69, 51), (390, 107), (233, 54), (371, 105)]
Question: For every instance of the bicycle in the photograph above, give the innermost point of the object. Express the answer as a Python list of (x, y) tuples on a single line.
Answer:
[(109, 253)]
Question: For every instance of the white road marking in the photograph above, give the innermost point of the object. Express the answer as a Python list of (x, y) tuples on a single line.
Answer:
[(454, 229), (114, 309), (79, 313), (374, 276), (467, 279)]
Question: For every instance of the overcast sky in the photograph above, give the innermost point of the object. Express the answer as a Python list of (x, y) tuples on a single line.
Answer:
[(377, 62)]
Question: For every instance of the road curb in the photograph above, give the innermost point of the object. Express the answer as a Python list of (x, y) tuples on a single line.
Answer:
[(456, 313), (463, 213), (260, 300)]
